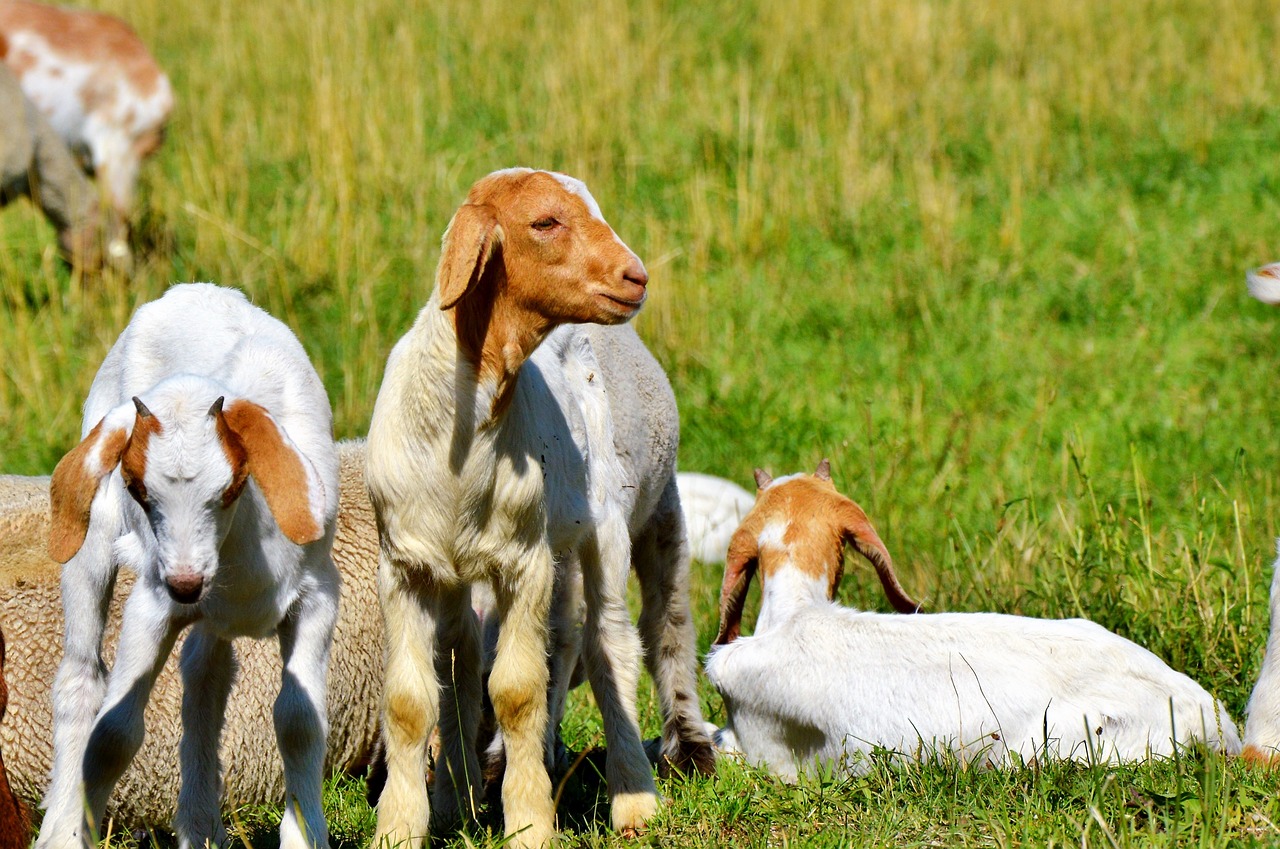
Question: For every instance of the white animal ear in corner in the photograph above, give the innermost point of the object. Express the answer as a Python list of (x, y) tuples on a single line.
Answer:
[(1264, 283), (74, 484), (256, 445)]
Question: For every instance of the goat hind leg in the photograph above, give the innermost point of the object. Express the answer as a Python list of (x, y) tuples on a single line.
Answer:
[(458, 785), (611, 647), (661, 558)]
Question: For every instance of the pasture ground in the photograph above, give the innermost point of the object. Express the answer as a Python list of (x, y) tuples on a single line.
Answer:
[(987, 256)]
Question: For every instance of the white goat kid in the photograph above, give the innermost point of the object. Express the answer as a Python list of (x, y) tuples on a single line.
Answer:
[(491, 457), (208, 467), (823, 684)]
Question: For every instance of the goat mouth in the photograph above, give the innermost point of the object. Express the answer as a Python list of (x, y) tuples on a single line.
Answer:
[(628, 304)]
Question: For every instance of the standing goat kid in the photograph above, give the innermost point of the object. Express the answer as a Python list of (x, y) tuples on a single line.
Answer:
[(508, 448), (823, 684), (208, 467)]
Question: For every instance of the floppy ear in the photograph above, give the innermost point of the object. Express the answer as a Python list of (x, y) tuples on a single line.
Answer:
[(739, 566), (468, 245), (256, 445), (857, 531), (75, 483)]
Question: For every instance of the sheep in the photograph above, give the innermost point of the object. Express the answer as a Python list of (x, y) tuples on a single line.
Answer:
[(498, 453), (35, 163), (713, 508), (93, 78), (207, 465), (823, 684)]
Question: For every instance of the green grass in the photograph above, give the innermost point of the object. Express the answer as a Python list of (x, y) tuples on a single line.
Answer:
[(986, 256)]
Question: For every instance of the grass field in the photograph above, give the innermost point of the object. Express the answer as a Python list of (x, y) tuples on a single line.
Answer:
[(987, 256)]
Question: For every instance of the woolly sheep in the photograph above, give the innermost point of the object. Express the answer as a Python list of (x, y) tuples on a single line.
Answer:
[(713, 509), (207, 466), (821, 683), (35, 163), (147, 794), (491, 457)]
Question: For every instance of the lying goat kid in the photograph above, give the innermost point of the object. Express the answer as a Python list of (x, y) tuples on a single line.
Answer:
[(821, 683)]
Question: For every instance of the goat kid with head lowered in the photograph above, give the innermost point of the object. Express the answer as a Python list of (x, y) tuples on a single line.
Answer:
[(822, 683), (208, 467), (511, 447)]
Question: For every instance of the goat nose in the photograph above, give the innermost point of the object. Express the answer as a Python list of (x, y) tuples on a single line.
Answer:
[(184, 587), (635, 272)]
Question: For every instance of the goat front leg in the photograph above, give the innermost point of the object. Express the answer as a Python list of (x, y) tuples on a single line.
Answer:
[(661, 558), (208, 666), (301, 719), (518, 690), (611, 647), (410, 706), (146, 638), (88, 582), (459, 661)]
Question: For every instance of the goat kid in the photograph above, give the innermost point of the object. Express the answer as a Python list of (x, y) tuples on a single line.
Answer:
[(491, 457), (208, 467), (97, 84), (823, 684)]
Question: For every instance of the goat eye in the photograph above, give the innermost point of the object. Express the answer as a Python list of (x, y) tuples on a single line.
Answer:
[(542, 225)]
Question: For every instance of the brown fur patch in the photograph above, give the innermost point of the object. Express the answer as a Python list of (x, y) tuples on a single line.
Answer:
[(86, 36), (133, 465), (73, 486), (1254, 756), (277, 468)]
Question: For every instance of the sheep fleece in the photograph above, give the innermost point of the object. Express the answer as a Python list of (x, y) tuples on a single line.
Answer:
[(31, 616)]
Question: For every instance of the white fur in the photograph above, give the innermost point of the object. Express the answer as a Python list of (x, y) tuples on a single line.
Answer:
[(713, 507), (1262, 722), (179, 354), (1264, 283), (823, 684)]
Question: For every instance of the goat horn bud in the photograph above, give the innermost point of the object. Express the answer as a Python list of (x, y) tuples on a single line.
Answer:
[(763, 479), (143, 412), (216, 409), (824, 470)]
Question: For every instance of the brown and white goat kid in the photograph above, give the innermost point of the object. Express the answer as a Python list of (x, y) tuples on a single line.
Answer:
[(208, 468), (97, 84), (822, 684), (492, 457)]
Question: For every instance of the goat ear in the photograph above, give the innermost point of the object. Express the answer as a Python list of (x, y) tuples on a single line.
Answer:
[(256, 445), (857, 531), (468, 245), (739, 566), (74, 485)]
